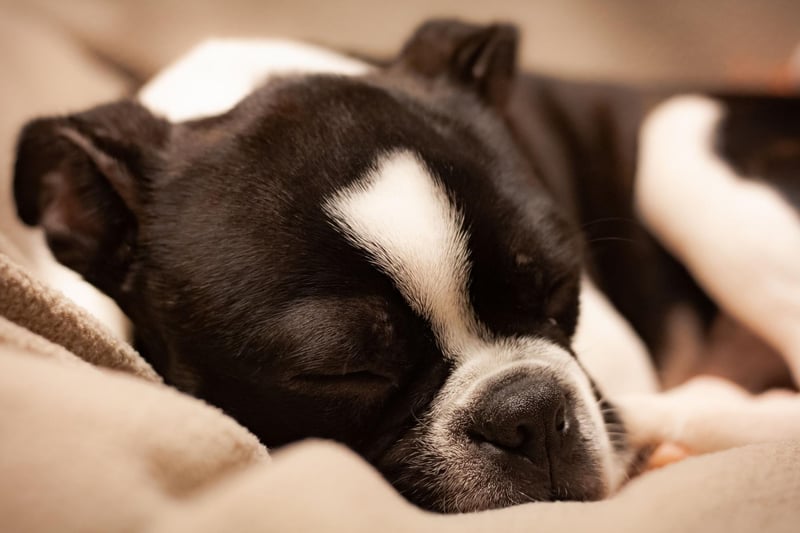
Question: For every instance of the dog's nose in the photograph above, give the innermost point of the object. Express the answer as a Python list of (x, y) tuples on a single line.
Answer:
[(529, 416)]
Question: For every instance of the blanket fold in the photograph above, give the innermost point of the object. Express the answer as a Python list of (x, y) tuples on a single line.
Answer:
[(43, 311), (90, 439)]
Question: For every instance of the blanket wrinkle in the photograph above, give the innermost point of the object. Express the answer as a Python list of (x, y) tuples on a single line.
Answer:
[(15, 337), (43, 311), (101, 450)]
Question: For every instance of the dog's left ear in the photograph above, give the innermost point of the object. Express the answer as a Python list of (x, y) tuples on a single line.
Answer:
[(480, 58), (84, 178)]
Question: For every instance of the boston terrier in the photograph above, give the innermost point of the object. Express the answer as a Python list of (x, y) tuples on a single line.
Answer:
[(394, 254)]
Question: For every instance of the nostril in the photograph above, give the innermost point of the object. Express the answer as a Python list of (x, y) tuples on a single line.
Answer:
[(499, 433), (561, 423)]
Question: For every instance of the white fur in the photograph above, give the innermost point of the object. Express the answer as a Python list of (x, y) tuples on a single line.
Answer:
[(217, 74), (470, 378), (609, 349), (402, 216), (710, 414), (738, 237)]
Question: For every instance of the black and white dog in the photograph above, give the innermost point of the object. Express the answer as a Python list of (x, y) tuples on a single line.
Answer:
[(394, 256)]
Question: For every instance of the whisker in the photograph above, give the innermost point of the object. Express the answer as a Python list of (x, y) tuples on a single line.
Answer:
[(612, 239), (608, 219)]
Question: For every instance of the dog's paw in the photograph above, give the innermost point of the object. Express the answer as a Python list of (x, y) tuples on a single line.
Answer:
[(710, 414)]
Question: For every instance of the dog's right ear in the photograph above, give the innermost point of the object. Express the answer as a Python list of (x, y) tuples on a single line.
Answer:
[(84, 178), (482, 59)]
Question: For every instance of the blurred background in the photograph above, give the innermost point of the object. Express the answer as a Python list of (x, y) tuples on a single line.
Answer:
[(743, 41), (58, 56)]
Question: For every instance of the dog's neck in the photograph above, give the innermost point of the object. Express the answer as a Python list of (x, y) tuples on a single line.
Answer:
[(217, 74)]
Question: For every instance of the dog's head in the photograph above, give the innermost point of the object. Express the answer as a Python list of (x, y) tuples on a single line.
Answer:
[(364, 258)]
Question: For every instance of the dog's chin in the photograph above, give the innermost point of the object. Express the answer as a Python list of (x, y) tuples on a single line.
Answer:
[(471, 476)]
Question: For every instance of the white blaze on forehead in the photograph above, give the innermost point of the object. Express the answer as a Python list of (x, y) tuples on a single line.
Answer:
[(217, 74), (402, 216)]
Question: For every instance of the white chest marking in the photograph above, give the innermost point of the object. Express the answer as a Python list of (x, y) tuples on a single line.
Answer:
[(217, 74)]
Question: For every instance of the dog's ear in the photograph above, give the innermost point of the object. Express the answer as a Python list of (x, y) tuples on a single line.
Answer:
[(481, 58), (84, 179)]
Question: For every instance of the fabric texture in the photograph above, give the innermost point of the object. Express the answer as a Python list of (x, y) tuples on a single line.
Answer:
[(32, 305), (85, 448)]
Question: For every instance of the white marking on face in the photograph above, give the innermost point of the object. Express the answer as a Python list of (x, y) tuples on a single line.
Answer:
[(217, 74), (402, 216), (739, 238)]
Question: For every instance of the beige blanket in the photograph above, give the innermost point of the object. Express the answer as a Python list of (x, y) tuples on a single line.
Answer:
[(90, 440), (103, 446)]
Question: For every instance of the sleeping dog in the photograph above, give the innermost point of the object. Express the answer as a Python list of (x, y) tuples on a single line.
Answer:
[(394, 255)]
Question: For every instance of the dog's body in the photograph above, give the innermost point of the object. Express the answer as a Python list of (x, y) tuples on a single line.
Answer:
[(390, 256), (666, 186)]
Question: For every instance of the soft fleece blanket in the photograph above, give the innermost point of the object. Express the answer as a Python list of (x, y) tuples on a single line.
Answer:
[(91, 440)]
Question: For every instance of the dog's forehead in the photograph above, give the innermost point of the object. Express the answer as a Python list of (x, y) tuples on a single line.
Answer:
[(425, 196)]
